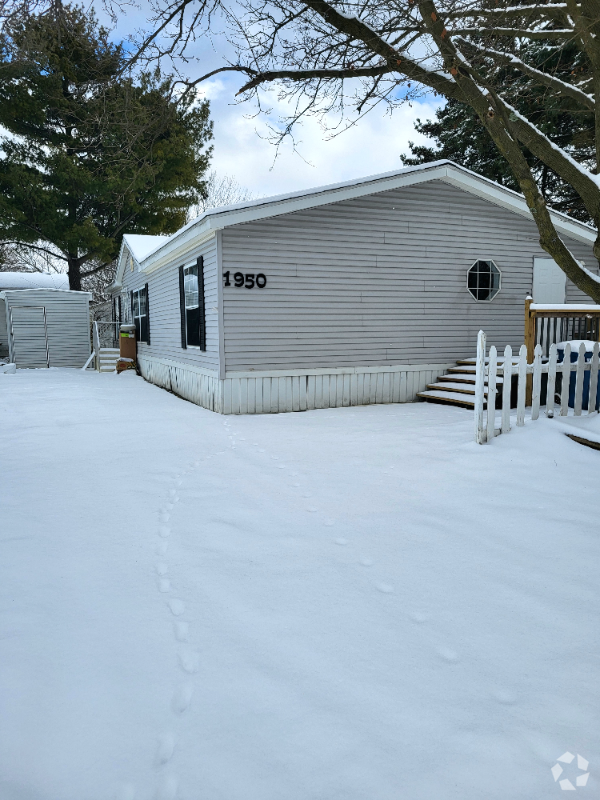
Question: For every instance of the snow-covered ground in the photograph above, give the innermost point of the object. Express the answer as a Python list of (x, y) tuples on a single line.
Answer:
[(347, 604)]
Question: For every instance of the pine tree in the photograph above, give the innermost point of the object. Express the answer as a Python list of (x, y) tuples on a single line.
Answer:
[(458, 134), (92, 152)]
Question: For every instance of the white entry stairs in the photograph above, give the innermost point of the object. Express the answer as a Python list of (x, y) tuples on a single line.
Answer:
[(107, 359), (457, 387)]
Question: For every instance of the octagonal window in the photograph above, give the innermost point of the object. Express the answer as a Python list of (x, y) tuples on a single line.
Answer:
[(483, 280)]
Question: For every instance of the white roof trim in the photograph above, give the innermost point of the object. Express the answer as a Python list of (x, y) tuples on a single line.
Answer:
[(205, 226), (4, 292), (506, 198), (188, 241)]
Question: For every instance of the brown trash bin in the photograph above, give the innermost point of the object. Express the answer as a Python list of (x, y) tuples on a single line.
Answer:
[(127, 341)]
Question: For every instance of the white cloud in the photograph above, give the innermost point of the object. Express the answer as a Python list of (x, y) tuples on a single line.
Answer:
[(373, 145), (241, 147)]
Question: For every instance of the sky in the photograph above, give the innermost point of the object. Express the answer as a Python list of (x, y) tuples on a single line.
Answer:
[(241, 146)]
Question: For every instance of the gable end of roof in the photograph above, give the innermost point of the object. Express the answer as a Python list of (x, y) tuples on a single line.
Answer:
[(205, 226)]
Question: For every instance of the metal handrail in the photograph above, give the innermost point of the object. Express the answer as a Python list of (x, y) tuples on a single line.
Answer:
[(107, 330), (96, 342)]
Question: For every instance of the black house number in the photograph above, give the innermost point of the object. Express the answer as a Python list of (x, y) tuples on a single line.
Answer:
[(249, 280)]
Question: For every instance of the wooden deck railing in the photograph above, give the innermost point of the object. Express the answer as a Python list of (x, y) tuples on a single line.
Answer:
[(550, 324), (546, 325)]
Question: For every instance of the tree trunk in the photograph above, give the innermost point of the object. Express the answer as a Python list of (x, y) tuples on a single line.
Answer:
[(74, 273)]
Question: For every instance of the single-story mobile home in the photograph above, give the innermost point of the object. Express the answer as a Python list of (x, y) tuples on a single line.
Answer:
[(355, 293)]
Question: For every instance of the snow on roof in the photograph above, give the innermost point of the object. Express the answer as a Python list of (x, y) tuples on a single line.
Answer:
[(580, 308), (317, 190), (141, 245), (33, 280), (251, 210)]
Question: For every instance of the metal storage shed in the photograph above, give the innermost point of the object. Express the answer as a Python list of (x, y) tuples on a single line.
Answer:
[(45, 327)]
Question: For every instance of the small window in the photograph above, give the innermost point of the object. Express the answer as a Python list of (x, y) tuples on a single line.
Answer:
[(191, 298), (483, 280), (140, 314), (192, 306)]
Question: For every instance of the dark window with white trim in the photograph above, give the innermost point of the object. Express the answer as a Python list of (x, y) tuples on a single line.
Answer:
[(483, 280), (192, 305), (139, 303), (193, 324)]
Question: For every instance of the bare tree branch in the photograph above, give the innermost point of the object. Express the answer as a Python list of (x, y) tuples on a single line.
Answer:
[(320, 74), (516, 33), (38, 248), (95, 270)]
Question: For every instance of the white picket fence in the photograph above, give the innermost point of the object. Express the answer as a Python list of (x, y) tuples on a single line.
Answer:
[(496, 376)]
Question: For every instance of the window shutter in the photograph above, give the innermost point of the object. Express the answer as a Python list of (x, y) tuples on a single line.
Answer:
[(131, 306), (147, 315), (182, 308), (201, 303)]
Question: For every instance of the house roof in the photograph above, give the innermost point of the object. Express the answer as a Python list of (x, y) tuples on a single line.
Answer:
[(33, 280), (140, 245), (205, 226), (45, 289)]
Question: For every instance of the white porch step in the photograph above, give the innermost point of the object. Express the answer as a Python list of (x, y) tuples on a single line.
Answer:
[(454, 398), (459, 377), (107, 359), (466, 378), (466, 371), (463, 370), (461, 388), (470, 362), (457, 386)]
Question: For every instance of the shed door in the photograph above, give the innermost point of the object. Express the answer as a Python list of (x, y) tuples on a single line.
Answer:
[(549, 282), (30, 340)]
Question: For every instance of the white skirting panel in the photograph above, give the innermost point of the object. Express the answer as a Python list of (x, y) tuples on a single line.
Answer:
[(276, 393), (188, 382), (273, 393)]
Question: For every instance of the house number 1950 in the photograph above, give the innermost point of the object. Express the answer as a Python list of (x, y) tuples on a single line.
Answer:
[(249, 280)]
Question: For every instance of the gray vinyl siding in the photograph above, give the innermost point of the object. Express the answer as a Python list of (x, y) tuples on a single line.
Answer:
[(67, 323), (377, 281), (165, 319), (585, 254)]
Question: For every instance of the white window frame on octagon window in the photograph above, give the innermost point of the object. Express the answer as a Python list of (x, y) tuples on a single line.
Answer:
[(499, 287)]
